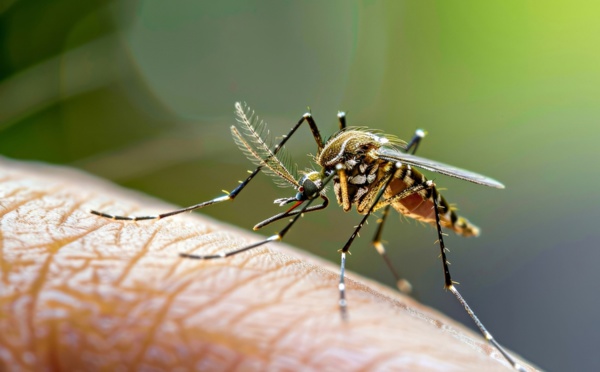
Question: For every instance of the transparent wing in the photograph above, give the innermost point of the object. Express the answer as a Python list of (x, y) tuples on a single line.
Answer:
[(253, 140), (434, 166)]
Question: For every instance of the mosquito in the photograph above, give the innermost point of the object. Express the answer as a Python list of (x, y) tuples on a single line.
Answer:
[(369, 170)]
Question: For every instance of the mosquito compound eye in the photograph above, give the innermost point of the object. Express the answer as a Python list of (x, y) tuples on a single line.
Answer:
[(310, 188)]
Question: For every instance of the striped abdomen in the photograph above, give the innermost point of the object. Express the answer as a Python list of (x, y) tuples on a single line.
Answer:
[(420, 205)]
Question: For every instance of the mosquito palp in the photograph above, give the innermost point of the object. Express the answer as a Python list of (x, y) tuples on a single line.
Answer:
[(369, 170)]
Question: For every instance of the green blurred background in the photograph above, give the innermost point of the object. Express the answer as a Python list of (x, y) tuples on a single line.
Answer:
[(142, 93)]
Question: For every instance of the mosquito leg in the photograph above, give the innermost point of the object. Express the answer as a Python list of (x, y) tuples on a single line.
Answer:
[(403, 285), (232, 194), (409, 191), (449, 284), (342, 286), (277, 237), (272, 238), (229, 196), (313, 128), (416, 140), (292, 213), (342, 119)]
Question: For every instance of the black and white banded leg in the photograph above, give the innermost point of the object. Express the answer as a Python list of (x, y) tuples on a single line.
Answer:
[(402, 284), (346, 249), (273, 238), (233, 193), (449, 285)]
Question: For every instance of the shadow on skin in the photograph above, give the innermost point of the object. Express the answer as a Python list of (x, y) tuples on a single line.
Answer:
[(80, 292)]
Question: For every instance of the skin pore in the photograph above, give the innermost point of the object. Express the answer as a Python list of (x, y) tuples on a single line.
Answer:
[(80, 292)]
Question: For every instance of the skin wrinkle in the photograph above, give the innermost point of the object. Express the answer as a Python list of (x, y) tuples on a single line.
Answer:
[(119, 234), (184, 238), (235, 363), (172, 269), (225, 292), (37, 285), (231, 342), (142, 251), (16, 206), (4, 265), (279, 294), (222, 242), (160, 316), (288, 287), (290, 342), (316, 348), (316, 360), (280, 335), (305, 358), (69, 212), (248, 282), (328, 282), (277, 298), (53, 346), (257, 263), (258, 310), (255, 308), (250, 312), (376, 361), (245, 260)]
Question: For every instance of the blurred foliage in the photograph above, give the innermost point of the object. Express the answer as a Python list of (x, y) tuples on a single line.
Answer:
[(142, 92)]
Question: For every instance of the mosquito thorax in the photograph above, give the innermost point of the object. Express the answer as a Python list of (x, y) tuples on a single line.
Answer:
[(354, 155), (350, 148)]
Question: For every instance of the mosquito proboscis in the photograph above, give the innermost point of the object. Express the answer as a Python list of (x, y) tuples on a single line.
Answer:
[(369, 170)]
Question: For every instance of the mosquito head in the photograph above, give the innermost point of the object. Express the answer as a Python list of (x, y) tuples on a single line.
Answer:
[(310, 186)]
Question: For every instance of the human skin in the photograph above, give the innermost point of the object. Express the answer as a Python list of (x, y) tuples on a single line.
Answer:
[(80, 292)]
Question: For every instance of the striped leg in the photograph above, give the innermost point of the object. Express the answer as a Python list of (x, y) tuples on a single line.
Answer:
[(291, 213), (342, 119), (277, 237), (407, 192), (449, 285), (232, 194), (403, 285)]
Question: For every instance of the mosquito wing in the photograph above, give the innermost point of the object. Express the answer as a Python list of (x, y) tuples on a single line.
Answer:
[(434, 166), (254, 143)]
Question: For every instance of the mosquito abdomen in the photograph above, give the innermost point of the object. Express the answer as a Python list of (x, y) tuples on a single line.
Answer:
[(420, 205)]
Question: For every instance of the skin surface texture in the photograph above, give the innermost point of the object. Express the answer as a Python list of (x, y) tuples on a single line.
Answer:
[(80, 292)]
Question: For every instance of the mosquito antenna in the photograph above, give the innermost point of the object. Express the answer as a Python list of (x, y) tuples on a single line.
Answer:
[(273, 166), (258, 149)]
